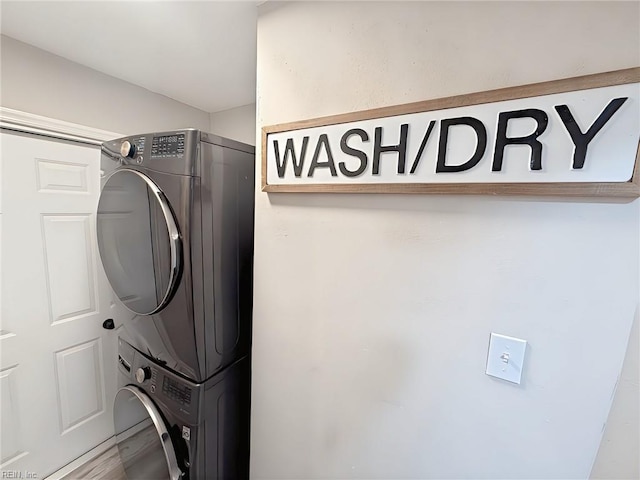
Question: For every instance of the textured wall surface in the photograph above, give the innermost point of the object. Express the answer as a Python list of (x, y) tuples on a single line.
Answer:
[(372, 314)]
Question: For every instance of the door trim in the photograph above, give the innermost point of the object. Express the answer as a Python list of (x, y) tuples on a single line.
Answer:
[(20, 121)]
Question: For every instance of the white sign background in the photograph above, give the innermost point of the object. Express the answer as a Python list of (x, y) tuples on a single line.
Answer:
[(610, 155)]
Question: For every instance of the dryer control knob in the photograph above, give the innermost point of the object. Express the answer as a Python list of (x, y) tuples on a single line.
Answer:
[(142, 374), (127, 149)]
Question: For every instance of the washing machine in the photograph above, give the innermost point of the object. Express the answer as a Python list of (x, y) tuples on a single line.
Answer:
[(169, 427), (175, 235)]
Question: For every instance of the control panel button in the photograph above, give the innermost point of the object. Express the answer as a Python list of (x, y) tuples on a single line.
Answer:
[(127, 149), (142, 374)]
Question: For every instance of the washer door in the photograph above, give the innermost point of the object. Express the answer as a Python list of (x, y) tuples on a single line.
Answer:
[(139, 241), (144, 444)]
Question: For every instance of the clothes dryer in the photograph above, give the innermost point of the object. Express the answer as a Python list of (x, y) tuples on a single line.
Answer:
[(175, 236)]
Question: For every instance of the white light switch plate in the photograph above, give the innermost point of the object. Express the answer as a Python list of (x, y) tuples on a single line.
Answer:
[(506, 357)]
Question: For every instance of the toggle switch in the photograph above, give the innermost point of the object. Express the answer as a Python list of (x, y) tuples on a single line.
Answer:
[(506, 357)]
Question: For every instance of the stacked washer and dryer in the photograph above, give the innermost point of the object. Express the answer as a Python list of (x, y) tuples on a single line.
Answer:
[(175, 235)]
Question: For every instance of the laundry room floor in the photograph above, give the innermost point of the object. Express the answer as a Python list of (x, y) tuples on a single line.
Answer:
[(104, 467)]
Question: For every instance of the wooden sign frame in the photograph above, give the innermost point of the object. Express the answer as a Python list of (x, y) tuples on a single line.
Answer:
[(629, 189)]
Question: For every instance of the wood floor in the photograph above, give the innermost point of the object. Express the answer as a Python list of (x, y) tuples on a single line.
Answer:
[(104, 467), (139, 449)]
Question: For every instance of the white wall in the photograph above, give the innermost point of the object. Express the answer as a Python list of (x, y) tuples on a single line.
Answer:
[(35, 81), (237, 123), (372, 313)]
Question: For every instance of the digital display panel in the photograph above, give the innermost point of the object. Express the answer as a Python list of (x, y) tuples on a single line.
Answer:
[(168, 146), (175, 391)]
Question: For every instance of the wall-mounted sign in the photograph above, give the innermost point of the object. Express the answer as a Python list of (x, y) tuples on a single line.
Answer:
[(577, 136)]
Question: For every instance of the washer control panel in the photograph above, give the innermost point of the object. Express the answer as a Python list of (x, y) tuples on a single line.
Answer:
[(176, 391), (175, 152), (164, 387), (168, 146)]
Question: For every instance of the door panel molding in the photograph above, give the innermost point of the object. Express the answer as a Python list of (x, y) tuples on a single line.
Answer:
[(54, 176), (11, 437), (79, 365), (69, 259)]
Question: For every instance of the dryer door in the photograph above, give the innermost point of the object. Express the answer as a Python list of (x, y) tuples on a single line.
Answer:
[(144, 444), (139, 241)]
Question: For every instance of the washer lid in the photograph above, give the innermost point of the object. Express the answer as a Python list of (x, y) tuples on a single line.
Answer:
[(144, 444), (139, 241)]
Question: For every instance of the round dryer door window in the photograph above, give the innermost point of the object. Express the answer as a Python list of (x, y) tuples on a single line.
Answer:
[(144, 443), (139, 241)]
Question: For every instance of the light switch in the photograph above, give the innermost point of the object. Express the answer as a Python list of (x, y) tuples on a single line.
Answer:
[(506, 357)]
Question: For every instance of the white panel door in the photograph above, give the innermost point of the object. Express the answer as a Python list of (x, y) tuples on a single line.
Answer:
[(58, 365)]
